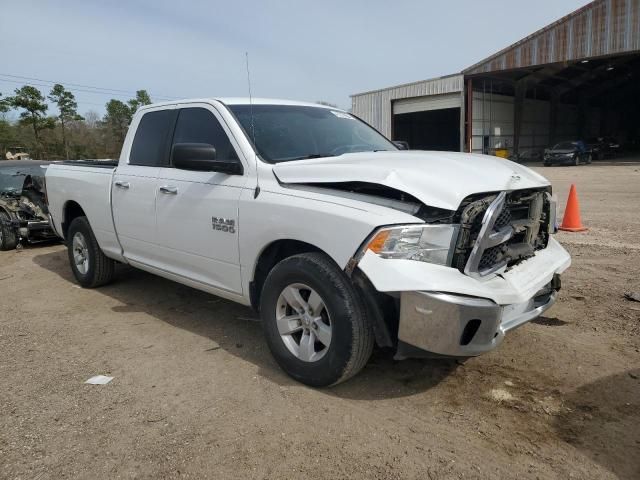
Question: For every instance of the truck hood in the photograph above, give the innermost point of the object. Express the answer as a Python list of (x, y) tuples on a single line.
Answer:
[(438, 179)]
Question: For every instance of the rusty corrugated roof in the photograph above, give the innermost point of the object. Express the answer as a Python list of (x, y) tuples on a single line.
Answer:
[(601, 28)]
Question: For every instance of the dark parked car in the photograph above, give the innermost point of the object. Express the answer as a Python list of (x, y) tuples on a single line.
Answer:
[(568, 153), (23, 207)]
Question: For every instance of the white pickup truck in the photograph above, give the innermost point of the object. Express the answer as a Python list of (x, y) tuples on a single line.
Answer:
[(338, 237)]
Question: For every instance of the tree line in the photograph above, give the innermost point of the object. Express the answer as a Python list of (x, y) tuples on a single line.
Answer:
[(65, 134)]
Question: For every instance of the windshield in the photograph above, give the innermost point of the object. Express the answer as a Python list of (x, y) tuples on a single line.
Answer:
[(565, 146), (289, 132), (12, 178)]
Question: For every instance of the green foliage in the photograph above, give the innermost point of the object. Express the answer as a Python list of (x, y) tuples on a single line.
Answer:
[(67, 105), (30, 100), (142, 98), (4, 105), (119, 114), (33, 106), (67, 135), (117, 118), (68, 108)]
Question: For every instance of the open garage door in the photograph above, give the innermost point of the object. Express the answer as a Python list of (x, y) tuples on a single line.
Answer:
[(428, 123), (593, 100)]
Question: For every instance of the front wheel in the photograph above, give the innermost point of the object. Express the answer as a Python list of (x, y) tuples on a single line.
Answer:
[(89, 265), (314, 320), (8, 236)]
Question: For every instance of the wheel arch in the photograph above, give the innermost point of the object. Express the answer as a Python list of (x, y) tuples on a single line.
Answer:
[(71, 211), (270, 255)]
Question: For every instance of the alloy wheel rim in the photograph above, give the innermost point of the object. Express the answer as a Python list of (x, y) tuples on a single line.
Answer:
[(303, 322), (80, 253)]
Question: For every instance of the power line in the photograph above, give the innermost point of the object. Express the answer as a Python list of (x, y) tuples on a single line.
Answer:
[(74, 90), (79, 100), (82, 88)]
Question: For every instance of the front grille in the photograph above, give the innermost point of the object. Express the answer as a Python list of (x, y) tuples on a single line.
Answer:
[(504, 218), (490, 257), (498, 231)]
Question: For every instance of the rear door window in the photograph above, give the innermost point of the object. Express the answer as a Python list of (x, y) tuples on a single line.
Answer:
[(149, 147), (199, 125)]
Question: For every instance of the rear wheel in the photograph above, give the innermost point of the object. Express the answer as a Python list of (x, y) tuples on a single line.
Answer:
[(8, 236), (314, 320), (89, 265)]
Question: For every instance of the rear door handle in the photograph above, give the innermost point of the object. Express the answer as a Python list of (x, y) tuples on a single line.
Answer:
[(120, 184), (169, 190)]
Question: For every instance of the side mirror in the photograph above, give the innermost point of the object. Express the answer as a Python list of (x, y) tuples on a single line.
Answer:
[(401, 144), (202, 157)]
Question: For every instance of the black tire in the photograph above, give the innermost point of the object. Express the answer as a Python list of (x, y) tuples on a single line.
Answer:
[(352, 335), (576, 160), (100, 268), (8, 235)]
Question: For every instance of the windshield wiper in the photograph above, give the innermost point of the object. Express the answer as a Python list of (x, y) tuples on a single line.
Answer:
[(309, 157)]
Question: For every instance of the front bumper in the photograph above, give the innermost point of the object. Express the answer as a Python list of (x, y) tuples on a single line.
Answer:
[(461, 326), (28, 229), (562, 159), (437, 303)]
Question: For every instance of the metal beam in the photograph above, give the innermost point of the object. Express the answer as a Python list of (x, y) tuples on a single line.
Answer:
[(518, 101), (469, 113)]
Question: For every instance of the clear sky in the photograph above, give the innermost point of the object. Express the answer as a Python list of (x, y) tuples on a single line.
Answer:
[(301, 50)]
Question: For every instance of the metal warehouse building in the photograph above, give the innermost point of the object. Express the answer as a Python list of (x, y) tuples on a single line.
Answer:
[(574, 79)]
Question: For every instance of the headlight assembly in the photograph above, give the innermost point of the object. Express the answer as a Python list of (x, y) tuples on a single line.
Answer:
[(424, 243)]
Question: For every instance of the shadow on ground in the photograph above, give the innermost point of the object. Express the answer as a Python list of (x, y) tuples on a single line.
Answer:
[(602, 420), (237, 330), (549, 321)]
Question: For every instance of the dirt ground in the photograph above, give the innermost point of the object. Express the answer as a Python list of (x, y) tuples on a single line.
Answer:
[(197, 395)]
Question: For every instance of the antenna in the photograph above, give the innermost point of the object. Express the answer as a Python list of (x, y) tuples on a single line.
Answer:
[(253, 129)]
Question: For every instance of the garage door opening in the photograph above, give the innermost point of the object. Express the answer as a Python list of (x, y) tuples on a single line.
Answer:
[(430, 130), (527, 110)]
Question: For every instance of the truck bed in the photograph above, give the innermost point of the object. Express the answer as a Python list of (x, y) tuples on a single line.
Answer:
[(87, 184)]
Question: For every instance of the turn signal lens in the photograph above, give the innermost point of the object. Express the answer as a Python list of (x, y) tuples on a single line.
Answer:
[(377, 243)]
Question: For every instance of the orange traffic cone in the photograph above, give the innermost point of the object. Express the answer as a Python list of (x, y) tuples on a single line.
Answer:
[(571, 221)]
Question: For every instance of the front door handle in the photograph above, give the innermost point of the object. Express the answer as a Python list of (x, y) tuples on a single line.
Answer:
[(169, 190), (120, 184)]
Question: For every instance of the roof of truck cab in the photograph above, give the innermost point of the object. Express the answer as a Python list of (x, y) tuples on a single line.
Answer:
[(242, 101)]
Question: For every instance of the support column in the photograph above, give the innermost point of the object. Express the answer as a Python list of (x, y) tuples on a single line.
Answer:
[(553, 117), (518, 102), (469, 114)]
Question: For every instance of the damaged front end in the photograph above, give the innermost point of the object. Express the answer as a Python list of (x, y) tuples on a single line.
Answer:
[(498, 231), (23, 207), (499, 275)]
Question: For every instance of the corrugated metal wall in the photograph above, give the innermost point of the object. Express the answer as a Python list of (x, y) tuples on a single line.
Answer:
[(375, 107), (603, 27)]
